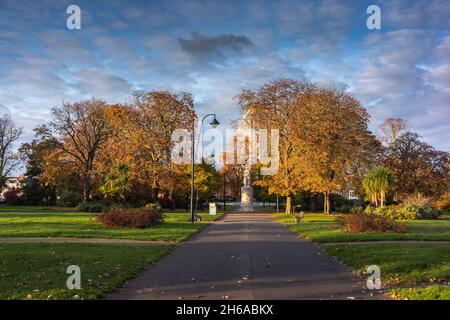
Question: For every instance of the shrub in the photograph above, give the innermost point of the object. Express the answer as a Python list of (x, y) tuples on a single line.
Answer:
[(361, 222), (165, 202), (13, 196), (69, 199), (382, 211), (152, 205), (413, 207), (357, 209), (443, 204), (369, 210), (131, 218), (344, 208), (91, 206), (423, 207)]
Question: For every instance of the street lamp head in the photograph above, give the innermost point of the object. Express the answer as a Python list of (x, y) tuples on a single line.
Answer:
[(214, 123)]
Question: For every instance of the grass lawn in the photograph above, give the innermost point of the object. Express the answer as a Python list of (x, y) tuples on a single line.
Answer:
[(399, 263), (435, 292), (18, 221), (423, 266), (402, 265), (38, 271), (319, 227)]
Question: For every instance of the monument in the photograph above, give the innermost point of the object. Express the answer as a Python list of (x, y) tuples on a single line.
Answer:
[(247, 190)]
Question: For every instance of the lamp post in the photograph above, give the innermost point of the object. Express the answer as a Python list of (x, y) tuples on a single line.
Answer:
[(224, 189), (214, 123)]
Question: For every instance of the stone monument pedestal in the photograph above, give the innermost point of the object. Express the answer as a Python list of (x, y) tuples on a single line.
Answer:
[(246, 199)]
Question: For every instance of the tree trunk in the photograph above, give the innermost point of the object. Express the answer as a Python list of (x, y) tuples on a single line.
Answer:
[(382, 196), (86, 187), (172, 199), (326, 202), (288, 204)]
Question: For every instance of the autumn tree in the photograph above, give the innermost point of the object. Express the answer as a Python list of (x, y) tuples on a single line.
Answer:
[(207, 181), (77, 131), (392, 129), (157, 115), (271, 107), (331, 141), (9, 159), (417, 166), (36, 187)]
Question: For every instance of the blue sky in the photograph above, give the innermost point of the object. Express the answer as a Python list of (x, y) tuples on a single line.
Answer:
[(214, 49)]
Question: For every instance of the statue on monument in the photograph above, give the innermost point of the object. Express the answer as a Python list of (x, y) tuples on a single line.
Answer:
[(247, 190)]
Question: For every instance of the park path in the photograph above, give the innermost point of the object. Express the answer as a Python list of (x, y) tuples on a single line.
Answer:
[(246, 256), (82, 240)]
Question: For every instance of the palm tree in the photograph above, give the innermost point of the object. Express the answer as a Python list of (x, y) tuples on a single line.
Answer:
[(117, 182), (384, 181), (369, 186), (378, 181)]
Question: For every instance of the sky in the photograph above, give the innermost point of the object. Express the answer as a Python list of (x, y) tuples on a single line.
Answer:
[(214, 49)]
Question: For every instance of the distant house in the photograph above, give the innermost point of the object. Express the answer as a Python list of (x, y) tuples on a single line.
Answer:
[(352, 195), (11, 183)]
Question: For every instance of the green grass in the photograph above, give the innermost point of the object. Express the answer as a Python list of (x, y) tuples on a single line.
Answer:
[(435, 292), (319, 227), (400, 264), (62, 222), (38, 271)]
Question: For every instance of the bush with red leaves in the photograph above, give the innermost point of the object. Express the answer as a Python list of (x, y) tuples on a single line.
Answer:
[(13, 196), (361, 222), (131, 218)]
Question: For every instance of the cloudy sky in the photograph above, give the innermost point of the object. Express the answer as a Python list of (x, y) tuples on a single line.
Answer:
[(214, 49)]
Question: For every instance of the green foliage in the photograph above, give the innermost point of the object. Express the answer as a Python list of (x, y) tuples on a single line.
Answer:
[(377, 183), (207, 180), (69, 199), (357, 209), (35, 193), (117, 182), (344, 208), (369, 210), (403, 212), (3, 180), (406, 211), (91, 206), (420, 206)]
